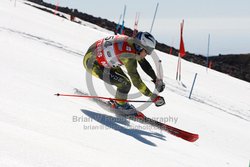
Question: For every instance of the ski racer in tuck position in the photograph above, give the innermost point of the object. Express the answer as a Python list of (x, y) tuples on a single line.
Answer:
[(104, 58)]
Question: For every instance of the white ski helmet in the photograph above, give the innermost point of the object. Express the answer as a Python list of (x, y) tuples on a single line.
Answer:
[(147, 41)]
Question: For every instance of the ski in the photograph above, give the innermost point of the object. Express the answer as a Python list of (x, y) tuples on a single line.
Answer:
[(140, 117), (188, 136)]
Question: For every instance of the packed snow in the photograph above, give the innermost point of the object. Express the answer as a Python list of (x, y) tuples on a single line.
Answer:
[(41, 54)]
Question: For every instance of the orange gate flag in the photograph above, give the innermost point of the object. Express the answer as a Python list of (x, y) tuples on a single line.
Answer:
[(182, 48)]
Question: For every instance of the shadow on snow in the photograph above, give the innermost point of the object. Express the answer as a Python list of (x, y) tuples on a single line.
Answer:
[(121, 125)]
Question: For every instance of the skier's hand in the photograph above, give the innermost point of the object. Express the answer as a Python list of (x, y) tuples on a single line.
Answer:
[(158, 100), (159, 85)]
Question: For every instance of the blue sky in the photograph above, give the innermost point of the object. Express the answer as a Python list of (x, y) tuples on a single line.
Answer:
[(227, 21)]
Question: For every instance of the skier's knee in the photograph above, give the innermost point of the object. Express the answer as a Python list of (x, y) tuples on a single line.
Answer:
[(124, 86), (127, 86)]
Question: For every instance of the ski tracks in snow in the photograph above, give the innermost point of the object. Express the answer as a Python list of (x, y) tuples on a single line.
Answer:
[(43, 40)]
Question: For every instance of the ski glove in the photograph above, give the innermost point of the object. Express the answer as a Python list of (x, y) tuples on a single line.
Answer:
[(159, 85), (158, 100)]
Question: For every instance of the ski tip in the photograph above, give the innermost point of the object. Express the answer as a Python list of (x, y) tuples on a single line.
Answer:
[(194, 138), (57, 94)]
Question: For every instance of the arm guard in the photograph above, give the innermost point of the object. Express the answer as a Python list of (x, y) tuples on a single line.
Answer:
[(147, 68)]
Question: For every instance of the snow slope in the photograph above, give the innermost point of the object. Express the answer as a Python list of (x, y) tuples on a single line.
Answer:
[(41, 54)]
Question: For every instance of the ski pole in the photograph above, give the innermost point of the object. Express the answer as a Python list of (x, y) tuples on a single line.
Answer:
[(105, 98)]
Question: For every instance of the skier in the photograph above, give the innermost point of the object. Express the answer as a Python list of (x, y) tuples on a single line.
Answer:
[(104, 58)]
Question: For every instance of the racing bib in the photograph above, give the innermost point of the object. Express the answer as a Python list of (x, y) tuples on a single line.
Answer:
[(108, 51)]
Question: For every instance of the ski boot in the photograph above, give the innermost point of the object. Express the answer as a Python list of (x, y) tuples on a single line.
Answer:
[(123, 109)]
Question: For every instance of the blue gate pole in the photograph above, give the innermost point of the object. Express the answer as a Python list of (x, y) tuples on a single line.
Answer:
[(192, 86)]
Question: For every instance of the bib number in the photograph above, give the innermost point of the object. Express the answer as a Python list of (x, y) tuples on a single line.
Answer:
[(109, 53)]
